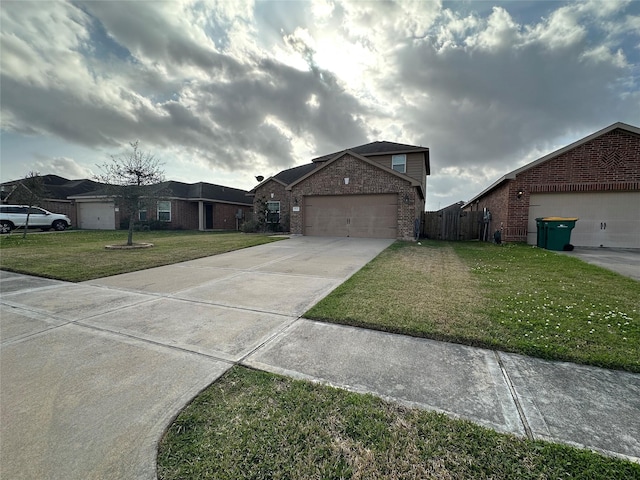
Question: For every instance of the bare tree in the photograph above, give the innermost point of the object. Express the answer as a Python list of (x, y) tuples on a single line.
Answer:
[(134, 179), (29, 191)]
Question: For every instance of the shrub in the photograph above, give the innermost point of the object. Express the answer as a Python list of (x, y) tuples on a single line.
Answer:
[(251, 226)]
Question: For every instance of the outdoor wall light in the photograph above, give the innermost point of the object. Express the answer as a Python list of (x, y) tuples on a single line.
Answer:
[(295, 200), (520, 193), (406, 198), (346, 180), (272, 195)]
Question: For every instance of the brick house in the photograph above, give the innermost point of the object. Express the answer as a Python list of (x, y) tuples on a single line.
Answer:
[(187, 206), (57, 193), (374, 190), (596, 179)]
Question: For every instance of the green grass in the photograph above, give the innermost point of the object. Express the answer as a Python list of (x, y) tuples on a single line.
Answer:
[(81, 255), (255, 425), (514, 298)]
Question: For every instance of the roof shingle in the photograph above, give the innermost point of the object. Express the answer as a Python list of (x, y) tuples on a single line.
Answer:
[(376, 148)]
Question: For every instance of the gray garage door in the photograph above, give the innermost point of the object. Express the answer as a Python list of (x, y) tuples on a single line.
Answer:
[(368, 216), (606, 219), (96, 216)]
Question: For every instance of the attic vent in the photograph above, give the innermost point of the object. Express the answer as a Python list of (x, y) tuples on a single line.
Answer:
[(611, 160)]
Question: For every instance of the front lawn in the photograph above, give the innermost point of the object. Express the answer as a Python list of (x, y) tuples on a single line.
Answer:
[(255, 425), (76, 256), (515, 298)]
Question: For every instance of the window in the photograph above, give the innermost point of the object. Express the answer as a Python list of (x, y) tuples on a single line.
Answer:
[(164, 211), (142, 215), (399, 163), (273, 212), (17, 210)]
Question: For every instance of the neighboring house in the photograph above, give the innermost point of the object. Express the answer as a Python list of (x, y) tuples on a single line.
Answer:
[(374, 190), (596, 179), (57, 193), (198, 206)]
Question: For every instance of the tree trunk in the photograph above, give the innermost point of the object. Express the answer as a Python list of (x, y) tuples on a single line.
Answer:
[(130, 236), (26, 225)]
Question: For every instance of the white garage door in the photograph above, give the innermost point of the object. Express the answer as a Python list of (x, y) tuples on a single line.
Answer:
[(606, 219), (368, 216), (96, 216)]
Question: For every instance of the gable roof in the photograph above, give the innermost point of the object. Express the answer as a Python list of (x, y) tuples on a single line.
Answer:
[(186, 191), (411, 180), (60, 188), (381, 148), (293, 174), (285, 177), (512, 175), (207, 191)]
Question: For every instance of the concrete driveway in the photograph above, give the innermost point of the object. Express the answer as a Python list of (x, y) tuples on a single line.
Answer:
[(625, 261), (91, 374)]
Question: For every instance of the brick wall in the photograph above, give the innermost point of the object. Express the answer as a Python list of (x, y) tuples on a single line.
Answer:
[(364, 178), (184, 215), (224, 216), (280, 194), (610, 162)]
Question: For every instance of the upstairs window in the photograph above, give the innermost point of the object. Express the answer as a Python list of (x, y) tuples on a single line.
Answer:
[(273, 212), (399, 163), (164, 211)]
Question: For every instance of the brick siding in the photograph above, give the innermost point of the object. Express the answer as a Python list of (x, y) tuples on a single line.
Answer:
[(610, 162), (224, 216), (364, 178), (280, 194)]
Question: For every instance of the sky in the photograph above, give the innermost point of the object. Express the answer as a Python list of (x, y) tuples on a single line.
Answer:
[(224, 91)]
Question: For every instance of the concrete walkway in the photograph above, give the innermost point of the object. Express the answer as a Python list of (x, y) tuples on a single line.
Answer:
[(91, 374)]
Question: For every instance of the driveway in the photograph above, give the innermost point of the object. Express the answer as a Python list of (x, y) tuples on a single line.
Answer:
[(625, 261), (92, 373)]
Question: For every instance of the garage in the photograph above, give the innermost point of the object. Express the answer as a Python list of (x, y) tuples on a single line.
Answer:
[(606, 219), (367, 216), (96, 216)]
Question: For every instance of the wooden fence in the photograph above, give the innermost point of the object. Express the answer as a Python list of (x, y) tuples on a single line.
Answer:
[(452, 225)]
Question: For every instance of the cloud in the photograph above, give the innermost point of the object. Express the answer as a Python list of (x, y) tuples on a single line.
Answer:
[(496, 87), (250, 86), (62, 166), (172, 88)]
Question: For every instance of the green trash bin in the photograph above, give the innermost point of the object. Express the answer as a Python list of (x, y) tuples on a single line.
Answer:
[(542, 233), (555, 232)]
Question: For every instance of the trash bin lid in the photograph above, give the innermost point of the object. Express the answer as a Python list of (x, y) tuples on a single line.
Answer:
[(558, 219)]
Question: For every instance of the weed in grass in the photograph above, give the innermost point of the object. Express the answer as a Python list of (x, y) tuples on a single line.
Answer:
[(513, 298), (556, 307)]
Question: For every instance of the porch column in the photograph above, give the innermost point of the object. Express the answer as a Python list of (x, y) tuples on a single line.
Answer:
[(201, 215)]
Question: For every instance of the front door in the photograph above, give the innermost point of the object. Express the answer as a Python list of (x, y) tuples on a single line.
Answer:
[(208, 216)]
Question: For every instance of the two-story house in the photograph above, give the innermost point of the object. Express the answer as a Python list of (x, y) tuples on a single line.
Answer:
[(374, 190)]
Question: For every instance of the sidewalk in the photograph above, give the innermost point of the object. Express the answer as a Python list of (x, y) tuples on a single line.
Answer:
[(561, 402), (92, 373)]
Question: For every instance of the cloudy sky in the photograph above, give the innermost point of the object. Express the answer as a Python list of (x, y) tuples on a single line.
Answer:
[(222, 91)]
